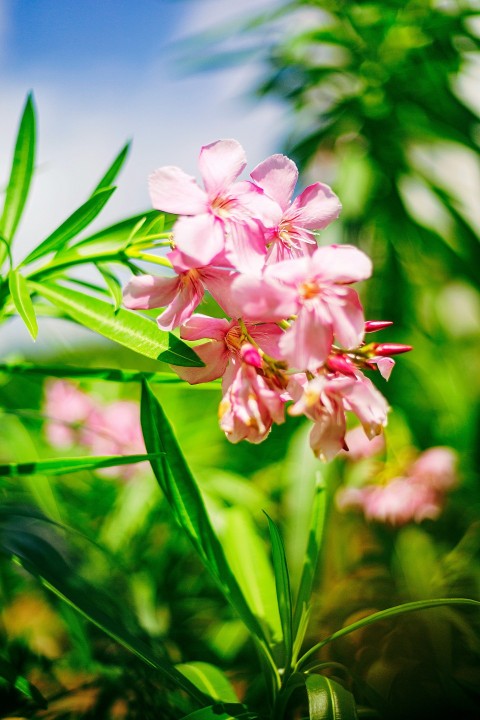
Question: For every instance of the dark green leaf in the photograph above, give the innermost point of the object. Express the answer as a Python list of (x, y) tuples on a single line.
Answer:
[(62, 466), (328, 700), (20, 176), (210, 680), (123, 326), (22, 301), (222, 711), (72, 226)]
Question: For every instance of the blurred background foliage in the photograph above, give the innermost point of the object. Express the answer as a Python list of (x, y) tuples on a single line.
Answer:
[(379, 107)]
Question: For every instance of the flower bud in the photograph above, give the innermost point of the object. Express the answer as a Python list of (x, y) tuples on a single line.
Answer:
[(251, 355), (387, 349), (341, 364), (374, 325)]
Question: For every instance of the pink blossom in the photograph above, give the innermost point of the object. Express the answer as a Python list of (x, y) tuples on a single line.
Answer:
[(314, 209), (179, 295), (226, 339), (314, 289), (435, 468), (360, 446), (66, 408), (227, 217), (250, 406)]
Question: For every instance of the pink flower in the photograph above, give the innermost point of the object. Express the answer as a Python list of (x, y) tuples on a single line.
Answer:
[(314, 289), (180, 295), (435, 468), (314, 209), (360, 446), (250, 406), (226, 340), (227, 217), (67, 408)]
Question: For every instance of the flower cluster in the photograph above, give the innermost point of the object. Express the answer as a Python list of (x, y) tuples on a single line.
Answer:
[(415, 493), (75, 418), (295, 327)]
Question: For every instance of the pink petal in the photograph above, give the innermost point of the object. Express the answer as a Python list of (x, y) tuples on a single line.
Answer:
[(199, 238), (201, 326), (315, 208), (220, 164), (341, 264), (256, 203), (218, 282), (173, 191), (146, 292), (368, 404), (277, 176), (291, 272), (263, 299), (307, 344), (267, 336), (347, 317), (327, 436), (215, 356), (245, 246), (188, 297)]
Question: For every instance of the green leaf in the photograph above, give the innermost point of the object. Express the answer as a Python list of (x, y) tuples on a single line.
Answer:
[(312, 553), (247, 556), (72, 226), (22, 301), (210, 680), (23, 536), (110, 176), (124, 326), (282, 582), (112, 283), (108, 374), (20, 176), (384, 615), (222, 711), (328, 700), (62, 466), (182, 493)]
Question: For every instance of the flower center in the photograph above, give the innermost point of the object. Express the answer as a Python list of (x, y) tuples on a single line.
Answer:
[(309, 289)]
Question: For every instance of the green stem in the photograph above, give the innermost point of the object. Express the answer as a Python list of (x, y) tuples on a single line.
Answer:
[(148, 257)]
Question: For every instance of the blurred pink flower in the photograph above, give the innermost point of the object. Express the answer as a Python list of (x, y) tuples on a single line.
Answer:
[(436, 468), (67, 408), (360, 446)]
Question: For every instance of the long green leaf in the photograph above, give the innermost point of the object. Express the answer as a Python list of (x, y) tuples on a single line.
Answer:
[(108, 374), (123, 326), (312, 553), (328, 700), (62, 466), (385, 615), (20, 177), (38, 554), (22, 301), (110, 176), (210, 680), (181, 491), (112, 283), (72, 226), (282, 582)]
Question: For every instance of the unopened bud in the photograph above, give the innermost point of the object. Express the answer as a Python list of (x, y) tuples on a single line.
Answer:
[(387, 349), (341, 364), (251, 355), (374, 325)]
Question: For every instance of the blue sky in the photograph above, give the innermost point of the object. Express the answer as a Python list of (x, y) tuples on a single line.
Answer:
[(103, 71)]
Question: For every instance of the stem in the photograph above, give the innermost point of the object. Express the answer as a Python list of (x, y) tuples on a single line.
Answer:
[(148, 257)]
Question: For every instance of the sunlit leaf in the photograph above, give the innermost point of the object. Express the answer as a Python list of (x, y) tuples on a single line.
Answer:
[(20, 176), (123, 326), (22, 301), (282, 583), (210, 680), (113, 284), (110, 176), (222, 711), (61, 466), (72, 226)]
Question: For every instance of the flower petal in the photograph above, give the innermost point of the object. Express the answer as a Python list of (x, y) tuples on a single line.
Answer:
[(173, 191), (277, 176), (341, 264), (315, 208), (215, 356), (146, 291), (189, 296), (201, 326), (220, 164), (347, 317), (199, 238), (307, 344), (263, 299)]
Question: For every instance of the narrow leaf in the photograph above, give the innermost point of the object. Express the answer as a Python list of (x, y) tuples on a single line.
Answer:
[(112, 283), (110, 176), (282, 582), (124, 326), (20, 176), (328, 700), (181, 491), (62, 466), (222, 711), (210, 680), (22, 301), (72, 226)]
